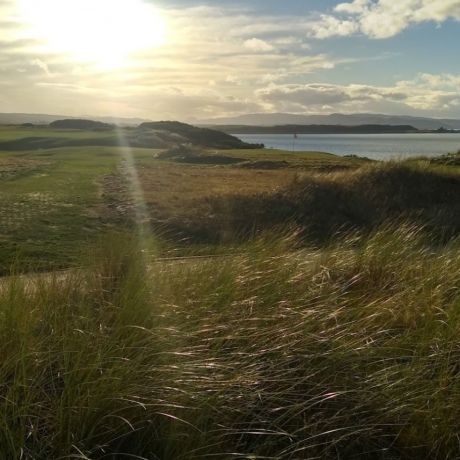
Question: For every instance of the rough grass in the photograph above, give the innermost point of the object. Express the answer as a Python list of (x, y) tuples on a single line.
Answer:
[(276, 353), (177, 196), (325, 203), (449, 159)]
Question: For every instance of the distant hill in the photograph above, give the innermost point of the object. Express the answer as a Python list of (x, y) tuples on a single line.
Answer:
[(271, 119), (258, 119), (40, 118), (154, 135), (83, 124), (316, 129)]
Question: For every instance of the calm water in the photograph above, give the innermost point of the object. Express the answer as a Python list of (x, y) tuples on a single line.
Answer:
[(375, 146)]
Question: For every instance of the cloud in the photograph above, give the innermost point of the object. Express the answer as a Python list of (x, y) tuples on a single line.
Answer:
[(356, 7), (233, 79), (426, 93), (41, 65), (254, 44), (272, 77), (166, 102), (224, 62), (283, 41), (383, 18), (330, 26), (210, 47)]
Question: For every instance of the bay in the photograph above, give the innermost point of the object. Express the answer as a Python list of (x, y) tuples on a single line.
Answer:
[(374, 146)]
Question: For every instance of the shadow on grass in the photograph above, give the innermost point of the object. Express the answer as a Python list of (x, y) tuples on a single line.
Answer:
[(323, 204)]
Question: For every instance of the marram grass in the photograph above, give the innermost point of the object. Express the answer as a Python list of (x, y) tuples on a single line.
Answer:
[(276, 353)]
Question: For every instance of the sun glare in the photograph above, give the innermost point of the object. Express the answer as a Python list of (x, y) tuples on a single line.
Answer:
[(104, 32)]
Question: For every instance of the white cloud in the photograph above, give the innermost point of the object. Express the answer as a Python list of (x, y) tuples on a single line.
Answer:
[(356, 7), (441, 81), (272, 77), (383, 18), (257, 45), (330, 26)]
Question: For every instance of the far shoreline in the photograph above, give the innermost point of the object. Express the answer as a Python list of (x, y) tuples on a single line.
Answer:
[(327, 129)]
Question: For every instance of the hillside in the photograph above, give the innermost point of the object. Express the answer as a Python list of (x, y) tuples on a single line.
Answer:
[(81, 133), (336, 200), (316, 129), (258, 119), (203, 137), (82, 124)]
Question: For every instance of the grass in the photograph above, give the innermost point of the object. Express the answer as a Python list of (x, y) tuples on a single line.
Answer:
[(47, 206), (276, 353), (325, 203), (300, 344), (54, 200), (13, 133)]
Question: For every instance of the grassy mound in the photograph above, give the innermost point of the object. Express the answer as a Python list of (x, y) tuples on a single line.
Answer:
[(82, 124), (449, 159), (344, 200), (203, 137), (190, 154)]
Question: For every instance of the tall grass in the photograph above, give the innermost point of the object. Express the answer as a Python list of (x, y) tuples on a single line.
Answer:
[(324, 203), (278, 353)]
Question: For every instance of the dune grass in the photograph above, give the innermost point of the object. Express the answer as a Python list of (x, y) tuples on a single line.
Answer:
[(328, 202), (276, 353)]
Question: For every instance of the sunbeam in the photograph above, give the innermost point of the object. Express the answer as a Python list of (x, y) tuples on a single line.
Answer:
[(103, 32)]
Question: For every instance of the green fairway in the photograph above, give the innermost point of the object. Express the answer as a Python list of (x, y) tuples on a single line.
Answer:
[(47, 210), (10, 133)]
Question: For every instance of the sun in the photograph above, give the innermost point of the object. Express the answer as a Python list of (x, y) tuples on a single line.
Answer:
[(103, 32)]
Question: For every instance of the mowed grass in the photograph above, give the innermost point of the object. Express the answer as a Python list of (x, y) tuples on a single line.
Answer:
[(11, 133), (49, 212), (295, 158)]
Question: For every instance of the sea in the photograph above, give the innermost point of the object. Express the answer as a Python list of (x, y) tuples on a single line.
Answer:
[(374, 146)]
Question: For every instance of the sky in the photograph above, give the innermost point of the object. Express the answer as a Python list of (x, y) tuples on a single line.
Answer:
[(191, 60)]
